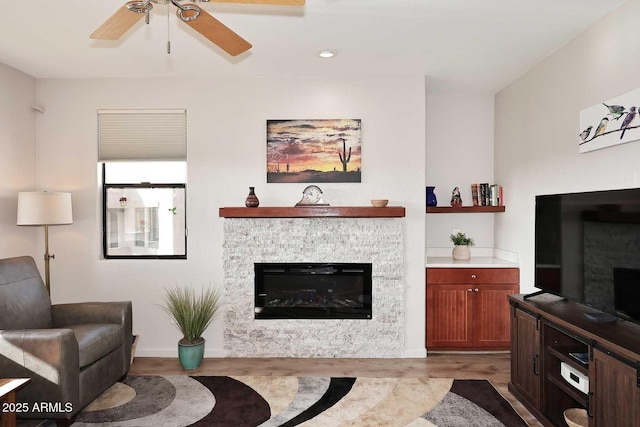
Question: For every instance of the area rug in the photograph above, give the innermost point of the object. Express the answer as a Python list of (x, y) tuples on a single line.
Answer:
[(204, 401)]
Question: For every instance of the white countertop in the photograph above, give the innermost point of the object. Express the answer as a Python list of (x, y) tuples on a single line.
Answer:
[(473, 262)]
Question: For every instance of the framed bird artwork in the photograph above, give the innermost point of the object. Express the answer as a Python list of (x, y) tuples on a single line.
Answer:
[(612, 122)]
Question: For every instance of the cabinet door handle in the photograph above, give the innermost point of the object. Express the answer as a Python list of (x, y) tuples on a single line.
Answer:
[(535, 365), (469, 290), (476, 290), (589, 405), (473, 276)]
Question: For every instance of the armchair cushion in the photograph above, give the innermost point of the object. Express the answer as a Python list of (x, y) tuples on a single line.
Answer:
[(96, 340), (102, 313)]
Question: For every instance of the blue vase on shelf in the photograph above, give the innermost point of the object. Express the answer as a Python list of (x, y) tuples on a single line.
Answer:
[(431, 197)]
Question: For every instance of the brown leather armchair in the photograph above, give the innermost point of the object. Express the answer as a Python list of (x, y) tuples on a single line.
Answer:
[(71, 352)]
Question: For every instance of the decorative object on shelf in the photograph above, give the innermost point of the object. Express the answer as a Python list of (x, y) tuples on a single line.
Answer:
[(456, 199), (314, 150), (379, 203), (123, 201), (576, 417), (312, 196), (461, 251), (192, 313), (252, 200), (431, 197)]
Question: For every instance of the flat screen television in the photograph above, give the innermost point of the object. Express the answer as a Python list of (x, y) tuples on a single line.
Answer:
[(587, 249)]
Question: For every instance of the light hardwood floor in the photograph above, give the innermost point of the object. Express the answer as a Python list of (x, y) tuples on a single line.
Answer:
[(493, 367)]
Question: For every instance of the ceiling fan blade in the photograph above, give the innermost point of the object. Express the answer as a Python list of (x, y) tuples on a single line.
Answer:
[(118, 24), (217, 32), (276, 2)]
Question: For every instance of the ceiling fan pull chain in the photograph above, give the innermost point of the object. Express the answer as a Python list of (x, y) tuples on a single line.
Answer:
[(168, 33)]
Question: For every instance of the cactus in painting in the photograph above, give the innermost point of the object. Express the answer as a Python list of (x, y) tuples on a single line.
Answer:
[(344, 158)]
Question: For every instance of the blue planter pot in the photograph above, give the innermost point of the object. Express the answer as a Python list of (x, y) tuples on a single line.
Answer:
[(431, 197), (191, 355)]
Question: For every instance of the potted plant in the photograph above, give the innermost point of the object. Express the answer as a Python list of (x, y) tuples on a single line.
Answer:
[(193, 313), (461, 243)]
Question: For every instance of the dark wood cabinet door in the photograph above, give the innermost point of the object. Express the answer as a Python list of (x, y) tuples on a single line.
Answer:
[(525, 357), (614, 392), (491, 321), (449, 321)]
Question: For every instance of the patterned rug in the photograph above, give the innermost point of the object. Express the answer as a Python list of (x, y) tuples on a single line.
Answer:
[(291, 401)]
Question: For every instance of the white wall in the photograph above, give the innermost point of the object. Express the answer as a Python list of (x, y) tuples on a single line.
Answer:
[(17, 159), (227, 154), (459, 153), (537, 123)]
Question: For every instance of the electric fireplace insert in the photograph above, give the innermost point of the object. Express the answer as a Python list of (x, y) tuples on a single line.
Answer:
[(313, 290)]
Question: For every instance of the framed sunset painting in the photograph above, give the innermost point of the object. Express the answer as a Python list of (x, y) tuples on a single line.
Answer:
[(315, 150)]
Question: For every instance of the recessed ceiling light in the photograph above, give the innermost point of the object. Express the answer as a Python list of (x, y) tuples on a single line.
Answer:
[(326, 54)]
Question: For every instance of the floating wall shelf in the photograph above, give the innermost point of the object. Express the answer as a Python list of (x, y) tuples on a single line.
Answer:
[(464, 209)]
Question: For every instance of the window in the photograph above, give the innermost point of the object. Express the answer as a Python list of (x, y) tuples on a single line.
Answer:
[(144, 219), (143, 156)]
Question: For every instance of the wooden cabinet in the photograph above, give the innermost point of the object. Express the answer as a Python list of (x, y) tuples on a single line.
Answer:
[(467, 308), (526, 363), (614, 389), (556, 330)]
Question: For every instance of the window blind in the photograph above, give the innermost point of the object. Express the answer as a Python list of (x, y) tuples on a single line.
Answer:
[(142, 135)]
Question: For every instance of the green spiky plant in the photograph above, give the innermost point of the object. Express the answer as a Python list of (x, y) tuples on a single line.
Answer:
[(461, 239), (191, 311)]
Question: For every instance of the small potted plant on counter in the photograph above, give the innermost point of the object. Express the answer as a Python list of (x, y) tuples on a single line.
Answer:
[(461, 243)]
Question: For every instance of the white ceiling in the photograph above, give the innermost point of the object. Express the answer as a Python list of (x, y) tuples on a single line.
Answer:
[(476, 46)]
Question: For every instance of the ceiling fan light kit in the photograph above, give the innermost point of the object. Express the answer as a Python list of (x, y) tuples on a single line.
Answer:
[(191, 14)]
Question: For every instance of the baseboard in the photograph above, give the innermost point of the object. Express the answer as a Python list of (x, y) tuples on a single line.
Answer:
[(419, 353), (218, 353), (173, 352)]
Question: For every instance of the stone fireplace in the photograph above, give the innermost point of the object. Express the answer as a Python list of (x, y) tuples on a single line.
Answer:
[(378, 241)]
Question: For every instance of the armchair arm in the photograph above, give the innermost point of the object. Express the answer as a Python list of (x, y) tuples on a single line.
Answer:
[(50, 358), (91, 312)]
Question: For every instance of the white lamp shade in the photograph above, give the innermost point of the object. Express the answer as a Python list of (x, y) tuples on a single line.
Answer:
[(44, 208)]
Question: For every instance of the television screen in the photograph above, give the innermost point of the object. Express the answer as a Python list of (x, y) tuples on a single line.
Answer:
[(587, 249)]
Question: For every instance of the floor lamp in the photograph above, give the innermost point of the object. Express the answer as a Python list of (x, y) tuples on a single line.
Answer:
[(44, 208)]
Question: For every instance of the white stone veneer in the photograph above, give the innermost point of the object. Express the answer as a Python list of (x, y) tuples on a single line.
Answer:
[(379, 241)]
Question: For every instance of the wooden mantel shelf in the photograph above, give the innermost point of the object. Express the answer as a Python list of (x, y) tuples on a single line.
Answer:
[(314, 212)]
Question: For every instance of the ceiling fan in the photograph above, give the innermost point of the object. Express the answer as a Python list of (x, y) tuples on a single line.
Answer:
[(191, 14)]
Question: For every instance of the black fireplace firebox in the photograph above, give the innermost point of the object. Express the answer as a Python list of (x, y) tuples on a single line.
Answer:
[(313, 291)]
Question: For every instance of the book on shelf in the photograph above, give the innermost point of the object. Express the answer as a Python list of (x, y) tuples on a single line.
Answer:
[(474, 194), (485, 194), (493, 195)]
